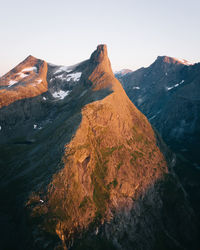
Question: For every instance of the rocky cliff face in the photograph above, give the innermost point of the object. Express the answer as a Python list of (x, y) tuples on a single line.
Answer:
[(92, 174)]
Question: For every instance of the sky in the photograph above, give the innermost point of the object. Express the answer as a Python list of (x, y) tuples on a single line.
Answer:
[(66, 32)]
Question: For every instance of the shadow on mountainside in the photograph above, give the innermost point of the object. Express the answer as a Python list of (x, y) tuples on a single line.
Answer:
[(160, 219), (31, 157)]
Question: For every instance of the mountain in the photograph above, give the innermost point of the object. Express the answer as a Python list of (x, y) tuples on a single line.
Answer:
[(81, 166), (28, 79), (122, 72), (167, 92)]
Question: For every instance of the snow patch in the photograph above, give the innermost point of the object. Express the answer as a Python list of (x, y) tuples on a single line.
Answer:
[(35, 126), (83, 93), (96, 231), (12, 82), (151, 118), (44, 98), (29, 69), (60, 94), (60, 76), (70, 77), (74, 76), (63, 68), (22, 75), (175, 86), (140, 100), (183, 61)]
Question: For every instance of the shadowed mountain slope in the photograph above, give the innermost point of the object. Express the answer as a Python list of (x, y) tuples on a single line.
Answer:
[(85, 170), (167, 92)]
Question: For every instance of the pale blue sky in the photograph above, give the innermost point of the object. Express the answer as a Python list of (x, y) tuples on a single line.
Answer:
[(66, 32)]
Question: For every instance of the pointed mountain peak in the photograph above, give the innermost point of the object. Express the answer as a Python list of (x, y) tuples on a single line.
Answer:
[(99, 59), (99, 54), (30, 59)]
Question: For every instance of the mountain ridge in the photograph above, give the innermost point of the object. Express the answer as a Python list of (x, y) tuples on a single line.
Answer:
[(85, 169), (172, 60), (162, 82), (168, 95)]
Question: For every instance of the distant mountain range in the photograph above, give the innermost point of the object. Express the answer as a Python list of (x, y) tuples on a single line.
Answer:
[(122, 72), (82, 167)]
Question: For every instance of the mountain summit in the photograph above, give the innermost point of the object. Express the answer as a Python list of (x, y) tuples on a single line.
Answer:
[(100, 55), (83, 169), (172, 60), (28, 79)]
